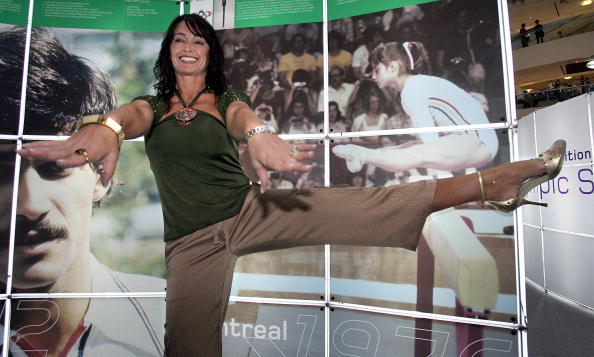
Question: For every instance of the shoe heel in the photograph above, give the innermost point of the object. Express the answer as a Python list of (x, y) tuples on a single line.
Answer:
[(526, 202), (552, 160), (513, 204)]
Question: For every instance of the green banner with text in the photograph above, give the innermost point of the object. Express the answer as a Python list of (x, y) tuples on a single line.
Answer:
[(14, 12), (123, 15), (227, 14), (252, 13)]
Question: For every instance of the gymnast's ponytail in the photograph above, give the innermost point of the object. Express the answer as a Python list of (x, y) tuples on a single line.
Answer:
[(412, 55), (418, 59)]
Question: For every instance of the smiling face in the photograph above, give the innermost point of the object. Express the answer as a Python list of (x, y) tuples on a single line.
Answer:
[(189, 52), (52, 224)]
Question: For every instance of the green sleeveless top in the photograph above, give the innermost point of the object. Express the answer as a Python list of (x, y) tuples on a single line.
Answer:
[(196, 167)]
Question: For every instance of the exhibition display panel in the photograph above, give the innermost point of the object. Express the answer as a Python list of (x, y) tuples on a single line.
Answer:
[(559, 239), (305, 65)]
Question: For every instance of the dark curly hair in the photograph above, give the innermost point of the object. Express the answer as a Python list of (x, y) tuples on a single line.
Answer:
[(61, 87), (164, 72)]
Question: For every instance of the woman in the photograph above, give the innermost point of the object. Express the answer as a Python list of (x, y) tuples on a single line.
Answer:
[(373, 118), (212, 215), (299, 121), (428, 101), (336, 122)]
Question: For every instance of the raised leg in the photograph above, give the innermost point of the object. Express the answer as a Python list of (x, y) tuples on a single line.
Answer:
[(374, 216), (500, 183), (504, 187)]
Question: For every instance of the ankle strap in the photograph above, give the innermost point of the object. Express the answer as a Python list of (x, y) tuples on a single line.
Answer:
[(480, 180)]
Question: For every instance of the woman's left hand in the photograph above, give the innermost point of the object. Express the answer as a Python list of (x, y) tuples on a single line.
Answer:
[(268, 151)]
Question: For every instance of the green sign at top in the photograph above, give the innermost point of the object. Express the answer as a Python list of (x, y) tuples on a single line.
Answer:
[(227, 14), (253, 13), (338, 9), (125, 15), (14, 12)]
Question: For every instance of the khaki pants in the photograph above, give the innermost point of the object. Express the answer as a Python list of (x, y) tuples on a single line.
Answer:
[(200, 265)]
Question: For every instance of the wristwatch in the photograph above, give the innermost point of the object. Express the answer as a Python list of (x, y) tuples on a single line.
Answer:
[(102, 119)]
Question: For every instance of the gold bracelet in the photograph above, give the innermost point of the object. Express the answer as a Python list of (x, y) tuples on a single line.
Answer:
[(480, 180), (102, 119)]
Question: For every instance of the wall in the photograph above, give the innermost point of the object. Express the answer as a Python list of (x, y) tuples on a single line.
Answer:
[(560, 239)]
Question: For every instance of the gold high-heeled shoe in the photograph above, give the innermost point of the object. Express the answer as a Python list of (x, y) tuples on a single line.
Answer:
[(553, 162)]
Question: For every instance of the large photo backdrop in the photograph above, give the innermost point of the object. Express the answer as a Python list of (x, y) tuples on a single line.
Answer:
[(440, 114), (467, 265), (83, 58)]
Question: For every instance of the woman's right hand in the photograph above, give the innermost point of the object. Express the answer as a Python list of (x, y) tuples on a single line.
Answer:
[(99, 141)]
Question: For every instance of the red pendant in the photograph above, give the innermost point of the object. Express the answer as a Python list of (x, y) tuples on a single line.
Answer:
[(185, 116)]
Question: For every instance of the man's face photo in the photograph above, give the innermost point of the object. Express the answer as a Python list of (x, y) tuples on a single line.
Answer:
[(50, 217), (52, 221), (52, 224)]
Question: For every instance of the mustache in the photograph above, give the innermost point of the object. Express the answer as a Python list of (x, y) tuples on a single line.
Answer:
[(43, 230)]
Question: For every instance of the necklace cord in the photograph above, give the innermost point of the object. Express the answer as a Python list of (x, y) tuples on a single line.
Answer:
[(205, 89)]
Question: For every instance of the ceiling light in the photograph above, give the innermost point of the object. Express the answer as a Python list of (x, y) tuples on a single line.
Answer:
[(567, 77), (585, 2), (590, 64), (529, 90)]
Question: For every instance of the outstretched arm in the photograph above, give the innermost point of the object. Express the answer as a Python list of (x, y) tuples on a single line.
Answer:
[(266, 151), (449, 152), (99, 141)]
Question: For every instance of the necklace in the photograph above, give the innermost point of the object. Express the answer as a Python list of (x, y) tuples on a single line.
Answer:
[(185, 115)]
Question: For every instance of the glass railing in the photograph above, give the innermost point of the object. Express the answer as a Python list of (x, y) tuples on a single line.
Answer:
[(571, 26), (548, 97)]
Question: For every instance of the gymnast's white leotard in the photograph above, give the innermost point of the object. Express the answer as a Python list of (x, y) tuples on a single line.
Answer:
[(431, 101)]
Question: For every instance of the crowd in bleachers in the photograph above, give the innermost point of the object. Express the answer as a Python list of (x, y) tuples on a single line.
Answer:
[(281, 69)]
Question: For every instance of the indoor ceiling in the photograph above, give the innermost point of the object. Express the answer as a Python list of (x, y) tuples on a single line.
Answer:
[(538, 78), (578, 19), (544, 10)]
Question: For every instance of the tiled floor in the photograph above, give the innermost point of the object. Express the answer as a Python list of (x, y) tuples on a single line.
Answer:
[(557, 327)]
